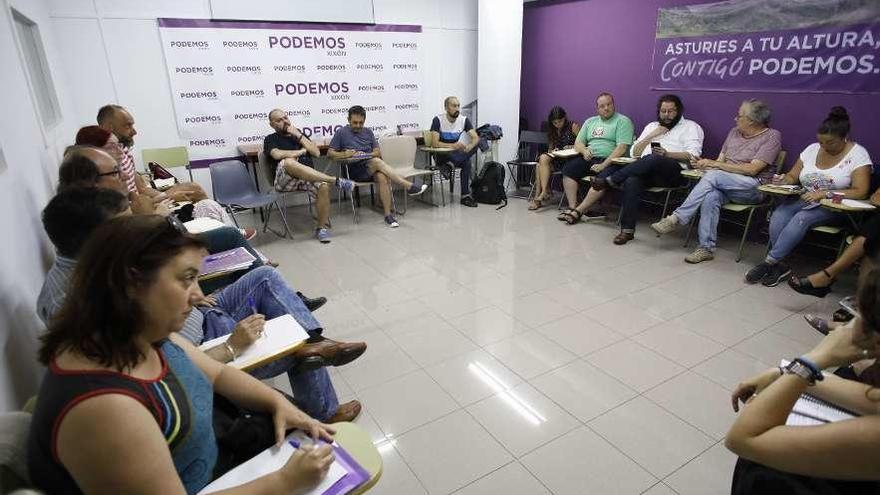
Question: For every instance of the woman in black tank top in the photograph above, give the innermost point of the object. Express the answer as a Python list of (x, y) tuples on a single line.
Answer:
[(561, 134)]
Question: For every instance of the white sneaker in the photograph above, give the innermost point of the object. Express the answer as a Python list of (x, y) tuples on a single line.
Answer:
[(699, 255), (666, 225)]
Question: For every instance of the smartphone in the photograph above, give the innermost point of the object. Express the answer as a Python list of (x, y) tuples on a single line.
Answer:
[(849, 304), (655, 144)]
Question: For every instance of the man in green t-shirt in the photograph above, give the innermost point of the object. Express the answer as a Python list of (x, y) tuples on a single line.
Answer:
[(602, 138)]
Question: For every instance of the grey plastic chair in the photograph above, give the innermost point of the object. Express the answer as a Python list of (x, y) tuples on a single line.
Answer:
[(232, 187)]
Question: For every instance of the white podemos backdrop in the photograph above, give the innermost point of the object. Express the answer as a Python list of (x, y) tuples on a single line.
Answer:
[(226, 76)]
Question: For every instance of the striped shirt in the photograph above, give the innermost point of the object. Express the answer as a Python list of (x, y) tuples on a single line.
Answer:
[(126, 166), (54, 289)]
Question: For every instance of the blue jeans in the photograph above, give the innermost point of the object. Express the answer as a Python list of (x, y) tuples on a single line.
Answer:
[(789, 224), (224, 239), (714, 189), (313, 390)]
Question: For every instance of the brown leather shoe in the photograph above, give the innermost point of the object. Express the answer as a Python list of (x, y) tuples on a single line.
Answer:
[(327, 352), (346, 412), (623, 237)]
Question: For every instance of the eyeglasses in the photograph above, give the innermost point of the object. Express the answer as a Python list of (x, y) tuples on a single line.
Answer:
[(115, 171)]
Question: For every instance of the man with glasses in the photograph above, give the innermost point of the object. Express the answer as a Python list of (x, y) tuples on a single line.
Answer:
[(744, 164)]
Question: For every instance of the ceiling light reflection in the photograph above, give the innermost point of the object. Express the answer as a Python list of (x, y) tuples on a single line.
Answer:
[(515, 402)]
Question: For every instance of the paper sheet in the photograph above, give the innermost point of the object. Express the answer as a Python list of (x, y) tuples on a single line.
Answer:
[(279, 334), (268, 461)]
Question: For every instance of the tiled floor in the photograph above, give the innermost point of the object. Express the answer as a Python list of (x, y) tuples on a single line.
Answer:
[(512, 354)]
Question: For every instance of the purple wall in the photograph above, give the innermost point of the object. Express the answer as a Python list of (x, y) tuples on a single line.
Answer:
[(573, 50)]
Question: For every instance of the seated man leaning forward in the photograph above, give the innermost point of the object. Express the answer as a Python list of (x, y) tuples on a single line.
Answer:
[(602, 138), (290, 152), (453, 130), (357, 146), (743, 165), (665, 147), (240, 309)]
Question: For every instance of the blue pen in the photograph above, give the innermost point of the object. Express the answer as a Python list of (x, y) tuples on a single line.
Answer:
[(252, 304)]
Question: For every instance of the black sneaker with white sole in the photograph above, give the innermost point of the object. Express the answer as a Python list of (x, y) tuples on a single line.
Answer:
[(758, 272), (778, 273), (593, 216)]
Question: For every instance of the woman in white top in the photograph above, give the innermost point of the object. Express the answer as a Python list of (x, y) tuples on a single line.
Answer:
[(834, 165)]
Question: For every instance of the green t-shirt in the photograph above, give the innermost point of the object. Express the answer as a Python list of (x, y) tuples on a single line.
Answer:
[(602, 136)]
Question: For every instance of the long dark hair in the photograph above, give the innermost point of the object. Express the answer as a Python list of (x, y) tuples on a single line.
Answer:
[(553, 133), (102, 313), (836, 123)]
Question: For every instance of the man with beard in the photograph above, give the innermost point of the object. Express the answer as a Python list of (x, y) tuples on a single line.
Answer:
[(119, 121), (453, 130), (665, 147)]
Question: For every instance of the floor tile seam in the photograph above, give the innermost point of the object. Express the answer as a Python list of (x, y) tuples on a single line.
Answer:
[(624, 454), (707, 449), (684, 420), (660, 483)]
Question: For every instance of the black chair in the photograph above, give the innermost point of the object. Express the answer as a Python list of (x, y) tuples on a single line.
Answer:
[(522, 169)]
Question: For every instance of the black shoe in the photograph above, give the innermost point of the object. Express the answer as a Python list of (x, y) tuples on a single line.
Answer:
[(758, 272), (312, 304), (469, 201), (778, 273), (592, 216), (803, 285)]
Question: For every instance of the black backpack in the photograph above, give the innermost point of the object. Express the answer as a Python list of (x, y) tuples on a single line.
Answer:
[(488, 187)]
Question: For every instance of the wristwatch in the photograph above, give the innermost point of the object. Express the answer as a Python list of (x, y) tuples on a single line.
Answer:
[(802, 369)]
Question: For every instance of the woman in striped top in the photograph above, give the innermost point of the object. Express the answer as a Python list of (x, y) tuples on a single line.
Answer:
[(126, 406)]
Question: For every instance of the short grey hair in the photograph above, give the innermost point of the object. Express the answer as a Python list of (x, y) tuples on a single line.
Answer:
[(759, 112)]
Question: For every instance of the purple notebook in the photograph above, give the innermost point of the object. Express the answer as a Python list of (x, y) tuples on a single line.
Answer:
[(355, 477), (227, 261)]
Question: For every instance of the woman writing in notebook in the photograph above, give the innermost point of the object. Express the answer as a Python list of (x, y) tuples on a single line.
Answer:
[(560, 135), (832, 458), (126, 406)]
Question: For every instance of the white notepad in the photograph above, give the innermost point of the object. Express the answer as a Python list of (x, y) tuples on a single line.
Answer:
[(565, 153), (280, 336), (269, 461), (809, 410), (853, 203), (202, 224)]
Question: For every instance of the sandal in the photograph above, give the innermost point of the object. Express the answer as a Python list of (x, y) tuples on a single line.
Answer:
[(572, 217), (803, 285), (563, 216), (819, 324), (535, 204)]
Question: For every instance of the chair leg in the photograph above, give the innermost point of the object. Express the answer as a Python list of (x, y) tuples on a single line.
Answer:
[(666, 204), (442, 190), (283, 216), (687, 238), (742, 241), (232, 215)]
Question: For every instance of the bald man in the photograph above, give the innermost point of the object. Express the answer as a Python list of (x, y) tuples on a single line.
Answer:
[(290, 152)]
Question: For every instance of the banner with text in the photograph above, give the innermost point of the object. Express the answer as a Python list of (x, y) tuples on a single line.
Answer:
[(227, 76), (769, 46)]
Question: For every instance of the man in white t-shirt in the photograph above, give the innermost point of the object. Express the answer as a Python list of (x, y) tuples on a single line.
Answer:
[(665, 148), (453, 130)]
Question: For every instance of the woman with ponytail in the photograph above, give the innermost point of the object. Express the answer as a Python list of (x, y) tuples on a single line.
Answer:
[(832, 166)]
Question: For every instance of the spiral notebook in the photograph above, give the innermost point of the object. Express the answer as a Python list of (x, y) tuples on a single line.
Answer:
[(809, 410)]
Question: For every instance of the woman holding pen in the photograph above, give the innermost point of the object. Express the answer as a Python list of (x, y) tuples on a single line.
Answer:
[(561, 134), (126, 404)]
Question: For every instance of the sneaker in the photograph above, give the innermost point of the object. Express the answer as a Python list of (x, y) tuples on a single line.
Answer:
[(345, 184), (391, 222), (699, 255), (469, 201), (593, 216), (323, 235), (415, 190), (758, 272), (248, 234), (778, 273), (312, 303), (667, 225)]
